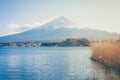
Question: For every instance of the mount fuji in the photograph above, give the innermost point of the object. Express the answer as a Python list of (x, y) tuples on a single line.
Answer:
[(59, 28)]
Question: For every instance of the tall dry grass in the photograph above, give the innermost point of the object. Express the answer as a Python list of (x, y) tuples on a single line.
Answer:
[(107, 53)]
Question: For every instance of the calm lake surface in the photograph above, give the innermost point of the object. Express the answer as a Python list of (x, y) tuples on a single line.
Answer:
[(50, 63)]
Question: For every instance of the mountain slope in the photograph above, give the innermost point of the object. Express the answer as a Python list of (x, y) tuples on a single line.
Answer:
[(57, 29)]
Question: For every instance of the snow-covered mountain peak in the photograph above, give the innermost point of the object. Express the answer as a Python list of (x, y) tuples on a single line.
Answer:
[(61, 18), (58, 22)]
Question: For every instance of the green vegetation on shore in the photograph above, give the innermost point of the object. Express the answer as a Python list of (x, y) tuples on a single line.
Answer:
[(108, 54)]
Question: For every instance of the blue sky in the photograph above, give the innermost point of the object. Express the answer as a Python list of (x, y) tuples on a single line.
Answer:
[(96, 14)]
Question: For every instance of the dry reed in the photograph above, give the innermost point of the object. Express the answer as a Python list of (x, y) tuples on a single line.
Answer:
[(108, 54)]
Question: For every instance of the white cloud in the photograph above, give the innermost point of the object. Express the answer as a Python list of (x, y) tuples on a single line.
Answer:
[(16, 28)]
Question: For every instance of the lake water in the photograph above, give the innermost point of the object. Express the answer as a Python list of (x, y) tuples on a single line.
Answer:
[(49, 63)]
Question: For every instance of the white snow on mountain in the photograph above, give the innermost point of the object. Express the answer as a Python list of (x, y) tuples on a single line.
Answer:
[(58, 22)]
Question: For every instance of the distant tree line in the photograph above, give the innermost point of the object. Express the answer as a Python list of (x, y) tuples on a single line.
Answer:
[(64, 43)]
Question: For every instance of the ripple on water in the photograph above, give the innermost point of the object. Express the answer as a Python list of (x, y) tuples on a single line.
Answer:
[(49, 64)]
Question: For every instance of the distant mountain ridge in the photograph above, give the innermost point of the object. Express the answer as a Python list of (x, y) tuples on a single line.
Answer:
[(57, 29)]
